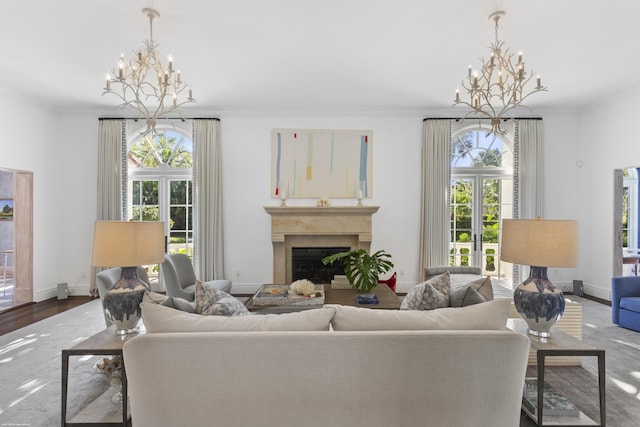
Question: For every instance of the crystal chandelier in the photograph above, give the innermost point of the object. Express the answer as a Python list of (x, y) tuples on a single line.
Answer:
[(145, 84), (501, 84)]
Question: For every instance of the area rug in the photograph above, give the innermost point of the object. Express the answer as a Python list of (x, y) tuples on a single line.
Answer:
[(31, 367)]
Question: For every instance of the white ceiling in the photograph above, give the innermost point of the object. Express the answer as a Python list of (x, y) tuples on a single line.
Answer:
[(319, 55)]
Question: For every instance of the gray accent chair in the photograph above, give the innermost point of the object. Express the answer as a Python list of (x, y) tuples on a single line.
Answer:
[(107, 278), (180, 279)]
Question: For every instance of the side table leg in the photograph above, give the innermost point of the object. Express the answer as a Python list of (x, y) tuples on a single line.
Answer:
[(602, 389), (540, 368), (65, 378), (125, 396)]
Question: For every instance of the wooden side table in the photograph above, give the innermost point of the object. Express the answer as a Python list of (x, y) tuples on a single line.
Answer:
[(562, 344), (105, 343)]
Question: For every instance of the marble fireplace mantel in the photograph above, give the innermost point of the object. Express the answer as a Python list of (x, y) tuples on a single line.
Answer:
[(308, 226)]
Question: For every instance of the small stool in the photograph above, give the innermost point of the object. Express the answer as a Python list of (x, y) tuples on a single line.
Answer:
[(6, 253)]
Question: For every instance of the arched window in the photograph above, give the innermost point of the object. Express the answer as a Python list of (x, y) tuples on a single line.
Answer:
[(159, 185), (481, 195)]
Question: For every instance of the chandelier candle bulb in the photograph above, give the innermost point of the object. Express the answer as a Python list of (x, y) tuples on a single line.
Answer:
[(539, 86)]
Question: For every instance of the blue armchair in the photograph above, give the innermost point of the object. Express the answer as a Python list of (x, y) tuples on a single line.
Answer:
[(625, 302)]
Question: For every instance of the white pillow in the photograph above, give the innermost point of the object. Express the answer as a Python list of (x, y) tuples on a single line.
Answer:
[(157, 318), (491, 315)]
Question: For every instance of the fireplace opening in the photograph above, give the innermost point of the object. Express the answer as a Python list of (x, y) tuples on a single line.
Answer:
[(306, 263)]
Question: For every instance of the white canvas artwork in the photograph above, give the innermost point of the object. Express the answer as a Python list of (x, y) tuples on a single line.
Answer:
[(311, 163)]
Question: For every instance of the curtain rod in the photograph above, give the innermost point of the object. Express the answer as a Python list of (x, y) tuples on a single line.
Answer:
[(479, 118), (162, 118)]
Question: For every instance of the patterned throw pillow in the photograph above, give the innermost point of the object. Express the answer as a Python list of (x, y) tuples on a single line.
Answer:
[(213, 301), (434, 293)]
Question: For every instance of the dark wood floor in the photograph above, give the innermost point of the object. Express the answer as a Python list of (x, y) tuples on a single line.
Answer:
[(24, 315)]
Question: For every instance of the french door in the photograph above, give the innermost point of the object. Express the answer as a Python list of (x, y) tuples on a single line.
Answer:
[(479, 202), (168, 199)]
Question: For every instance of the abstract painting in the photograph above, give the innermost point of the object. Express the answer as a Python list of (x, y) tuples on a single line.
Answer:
[(312, 163)]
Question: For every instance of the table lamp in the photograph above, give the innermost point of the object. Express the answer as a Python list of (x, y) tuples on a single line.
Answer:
[(126, 244), (539, 243)]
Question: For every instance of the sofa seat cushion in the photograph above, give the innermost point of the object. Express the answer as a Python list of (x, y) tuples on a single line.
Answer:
[(630, 303), (157, 318), (491, 315)]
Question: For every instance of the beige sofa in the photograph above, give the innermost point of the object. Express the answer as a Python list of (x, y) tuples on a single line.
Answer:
[(449, 367)]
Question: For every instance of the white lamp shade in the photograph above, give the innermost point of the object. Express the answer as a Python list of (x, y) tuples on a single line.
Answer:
[(127, 243), (540, 242)]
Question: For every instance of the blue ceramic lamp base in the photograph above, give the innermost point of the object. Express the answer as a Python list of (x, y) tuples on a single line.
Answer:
[(539, 302), (122, 302)]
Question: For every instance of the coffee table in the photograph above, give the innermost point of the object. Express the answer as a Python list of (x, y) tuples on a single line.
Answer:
[(100, 412), (387, 300), (562, 344)]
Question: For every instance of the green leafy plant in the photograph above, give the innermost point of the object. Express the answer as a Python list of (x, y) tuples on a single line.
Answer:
[(362, 269)]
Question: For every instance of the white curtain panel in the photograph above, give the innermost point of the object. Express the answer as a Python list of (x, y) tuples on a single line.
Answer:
[(434, 206), (531, 168), (109, 198), (207, 186)]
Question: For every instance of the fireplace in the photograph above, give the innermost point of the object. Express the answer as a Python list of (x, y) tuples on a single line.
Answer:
[(306, 263), (343, 227)]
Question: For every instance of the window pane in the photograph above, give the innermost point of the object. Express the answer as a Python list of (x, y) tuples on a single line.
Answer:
[(178, 215), (150, 192), (178, 193)]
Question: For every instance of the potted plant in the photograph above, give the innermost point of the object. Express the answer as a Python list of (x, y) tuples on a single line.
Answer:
[(362, 269)]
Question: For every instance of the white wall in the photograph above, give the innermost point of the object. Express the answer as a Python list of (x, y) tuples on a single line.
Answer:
[(246, 142), (61, 151), (31, 141), (608, 141)]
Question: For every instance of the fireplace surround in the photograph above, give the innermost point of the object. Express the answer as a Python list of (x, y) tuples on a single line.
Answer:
[(321, 227)]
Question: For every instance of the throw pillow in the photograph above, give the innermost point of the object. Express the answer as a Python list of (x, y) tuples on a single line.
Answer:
[(484, 287), (464, 296), (157, 318), (434, 293), (173, 302), (212, 301), (478, 291), (491, 315)]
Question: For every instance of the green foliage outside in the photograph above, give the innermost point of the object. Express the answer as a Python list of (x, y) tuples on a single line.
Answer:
[(153, 151)]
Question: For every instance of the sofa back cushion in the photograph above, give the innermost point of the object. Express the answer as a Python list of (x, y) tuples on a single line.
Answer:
[(157, 318), (490, 315)]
